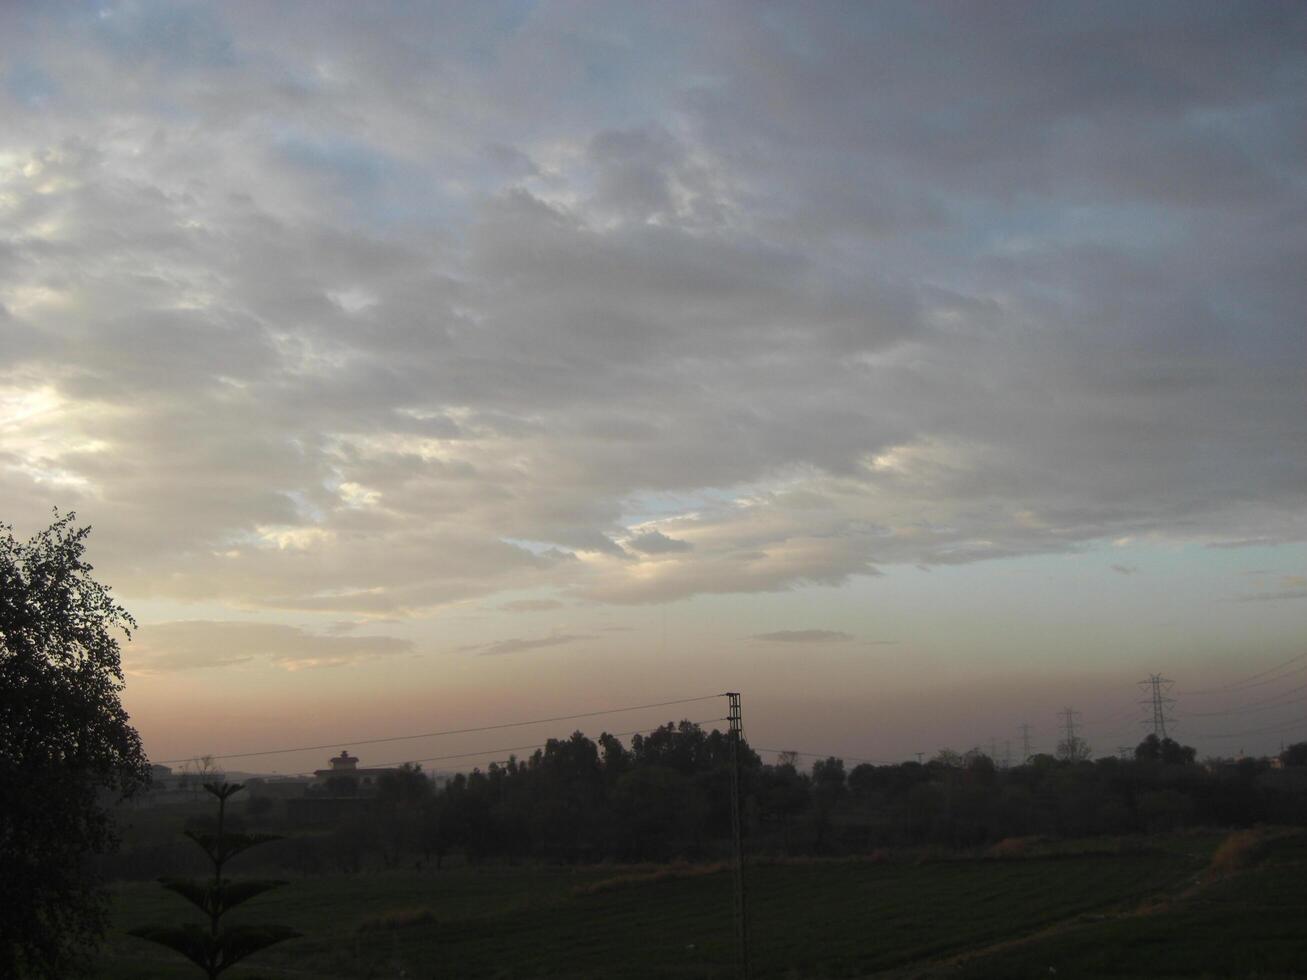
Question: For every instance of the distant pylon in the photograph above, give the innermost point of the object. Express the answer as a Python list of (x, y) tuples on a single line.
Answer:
[(1069, 717), (1072, 749), (1158, 687), (1025, 742)]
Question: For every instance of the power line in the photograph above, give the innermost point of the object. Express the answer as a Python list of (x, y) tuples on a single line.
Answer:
[(1265, 704), (1107, 736), (1298, 671), (1286, 726), (1131, 709), (452, 731), (1246, 682), (522, 748)]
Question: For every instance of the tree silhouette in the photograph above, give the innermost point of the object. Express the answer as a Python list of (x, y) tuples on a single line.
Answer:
[(218, 947), (1165, 750), (66, 740), (1074, 749), (1295, 755)]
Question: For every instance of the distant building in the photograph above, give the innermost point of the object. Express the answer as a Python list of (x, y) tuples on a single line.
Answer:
[(340, 790), (166, 786), (345, 778)]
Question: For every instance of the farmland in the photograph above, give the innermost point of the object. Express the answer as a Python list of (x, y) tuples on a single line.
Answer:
[(1244, 924), (1098, 908)]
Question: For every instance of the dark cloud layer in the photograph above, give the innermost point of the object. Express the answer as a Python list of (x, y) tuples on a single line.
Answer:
[(364, 313)]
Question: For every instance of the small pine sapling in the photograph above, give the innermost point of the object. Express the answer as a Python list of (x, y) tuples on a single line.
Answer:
[(218, 947)]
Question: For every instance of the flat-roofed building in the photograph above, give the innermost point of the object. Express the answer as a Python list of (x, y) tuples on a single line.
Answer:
[(345, 778)]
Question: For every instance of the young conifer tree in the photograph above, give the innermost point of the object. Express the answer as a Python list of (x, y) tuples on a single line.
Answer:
[(217, 947)]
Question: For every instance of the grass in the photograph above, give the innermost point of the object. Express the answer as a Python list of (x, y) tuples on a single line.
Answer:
[(1246, 921), (808, 919), (638, 877), (335, 913)]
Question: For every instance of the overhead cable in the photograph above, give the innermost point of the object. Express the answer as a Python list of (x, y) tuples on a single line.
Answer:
[(1248, 682), (523, 748), (1266, 704), (451, 731), (1285, 726)]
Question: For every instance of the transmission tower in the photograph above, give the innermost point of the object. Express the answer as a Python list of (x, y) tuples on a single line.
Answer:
[(1069, 716), (736, 720), (1025, 741), (1158, 688), (1072, 748)]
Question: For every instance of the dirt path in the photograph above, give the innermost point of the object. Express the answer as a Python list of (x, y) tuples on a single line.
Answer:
[(1235, 855)]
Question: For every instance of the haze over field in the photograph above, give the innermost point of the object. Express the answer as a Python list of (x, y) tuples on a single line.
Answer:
[(917, 370)]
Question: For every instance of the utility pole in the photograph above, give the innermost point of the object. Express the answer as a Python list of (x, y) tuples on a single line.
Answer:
[(1158, 687), (1025, 742), (741, 914)]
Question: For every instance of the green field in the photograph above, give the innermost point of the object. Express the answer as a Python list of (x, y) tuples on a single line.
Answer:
[(808, 919), (1252, 924)]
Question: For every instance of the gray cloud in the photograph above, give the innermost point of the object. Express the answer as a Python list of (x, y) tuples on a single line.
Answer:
[(530, 605), (657, 543), (804, 636), (190, 644), (522, 644), (359, 324), (1125, 569)]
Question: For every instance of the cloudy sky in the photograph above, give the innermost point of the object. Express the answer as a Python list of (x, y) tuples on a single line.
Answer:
[(916, 370)]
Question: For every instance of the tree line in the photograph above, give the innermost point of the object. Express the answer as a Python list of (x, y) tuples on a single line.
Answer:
[(665, 796)]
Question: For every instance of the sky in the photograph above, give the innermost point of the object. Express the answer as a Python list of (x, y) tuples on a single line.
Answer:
[(916, 370)]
